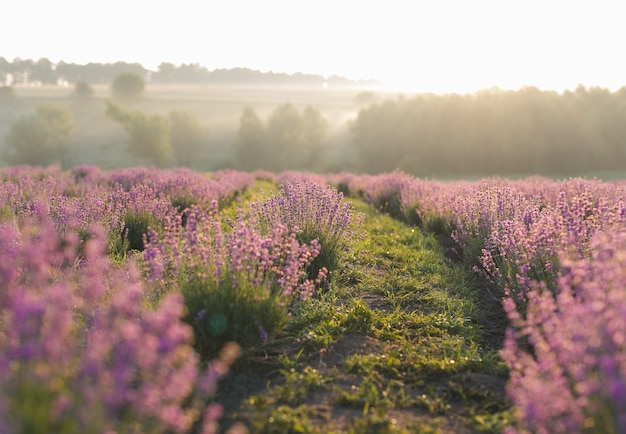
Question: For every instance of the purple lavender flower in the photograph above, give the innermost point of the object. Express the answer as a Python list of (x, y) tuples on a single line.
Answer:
[(80, 331), (200, 315), (573, 377), (263, 335)]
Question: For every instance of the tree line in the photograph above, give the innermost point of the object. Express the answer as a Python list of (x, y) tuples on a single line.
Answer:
[(288, 140), (23, 71), (492, 132), (42, 138), (495, 132), (291, 139)]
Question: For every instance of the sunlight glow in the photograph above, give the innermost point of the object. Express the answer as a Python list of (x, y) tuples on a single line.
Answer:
[(446, 46)]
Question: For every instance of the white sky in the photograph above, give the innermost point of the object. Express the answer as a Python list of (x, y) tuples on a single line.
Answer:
[(433, 46)]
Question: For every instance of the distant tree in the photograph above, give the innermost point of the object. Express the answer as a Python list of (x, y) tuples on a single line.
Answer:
[(82, 89), (22, 70), (284, 129), (40, 138), (314, 127), (251, 143), (166, 73), (191, 73), (149, 135), (298, 137), (186, 136), (71, 72), (291, 140), (128, 85), (5, 66), (392, 123), (43, 71)]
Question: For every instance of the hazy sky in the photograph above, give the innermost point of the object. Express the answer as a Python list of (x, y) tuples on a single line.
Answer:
[(435, 45)]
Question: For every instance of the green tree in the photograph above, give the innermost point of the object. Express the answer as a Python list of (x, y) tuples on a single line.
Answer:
[(40, 138), (251, 143), (166, 72), (149, 135), (43, 70), (284, 129), (392, 123), (82, 89), (128, 85), (314, 127), (291, 140), (187, 136)]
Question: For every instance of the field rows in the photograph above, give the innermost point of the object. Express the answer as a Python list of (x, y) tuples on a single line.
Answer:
[(143, 300)]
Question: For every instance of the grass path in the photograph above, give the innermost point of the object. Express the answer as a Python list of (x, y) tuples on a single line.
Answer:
[(399, 345)]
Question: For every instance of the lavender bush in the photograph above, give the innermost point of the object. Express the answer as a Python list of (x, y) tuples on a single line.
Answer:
[(182, 186), (556, 251), (81, 351), (314, 211), (567, 355), (238, 285), (522, 227), (85, 347), (412, 200), (383, 192), (125, 201)]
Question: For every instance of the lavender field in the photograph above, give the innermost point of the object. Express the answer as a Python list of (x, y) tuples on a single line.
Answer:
[(157, 301)]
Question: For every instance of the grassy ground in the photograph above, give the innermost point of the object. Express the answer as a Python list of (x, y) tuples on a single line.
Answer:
[(403, 342)]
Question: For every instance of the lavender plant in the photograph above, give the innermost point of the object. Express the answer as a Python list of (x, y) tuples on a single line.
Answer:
[(81, 351), (182, 186), (524, 244), (567, 355), (416, 201), (314, 211), (384, 191), (238, 285)]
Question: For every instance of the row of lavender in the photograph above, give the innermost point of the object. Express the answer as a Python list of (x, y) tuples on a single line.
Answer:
[(121, 292), (555, 253), (122, 201)]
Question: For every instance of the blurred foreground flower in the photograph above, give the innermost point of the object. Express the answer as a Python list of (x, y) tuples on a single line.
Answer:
[(82, 351), (567, 354)]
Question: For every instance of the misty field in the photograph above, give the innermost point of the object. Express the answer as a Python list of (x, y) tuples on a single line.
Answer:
[(99, 141), (151, 300), (494, 132)]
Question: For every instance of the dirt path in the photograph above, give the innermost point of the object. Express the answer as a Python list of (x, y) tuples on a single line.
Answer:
[(399, 345)]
